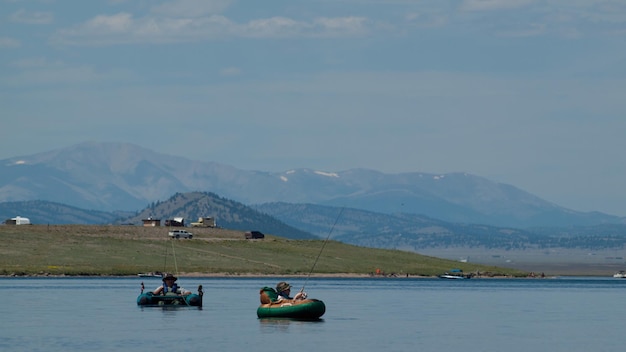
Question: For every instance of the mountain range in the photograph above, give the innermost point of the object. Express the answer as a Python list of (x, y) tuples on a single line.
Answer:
[(403, 231), (102, 183), (122, 177)]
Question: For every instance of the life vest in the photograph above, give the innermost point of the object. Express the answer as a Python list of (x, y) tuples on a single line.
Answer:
[(268, 295), (174, 288)]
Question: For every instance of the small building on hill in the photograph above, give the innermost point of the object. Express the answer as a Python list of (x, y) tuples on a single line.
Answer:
[(150, 222)]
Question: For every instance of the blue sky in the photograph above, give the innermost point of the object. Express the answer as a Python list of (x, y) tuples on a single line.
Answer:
[(525, 92)]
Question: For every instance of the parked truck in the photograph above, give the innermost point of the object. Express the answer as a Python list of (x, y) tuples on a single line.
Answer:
[(204, 222)]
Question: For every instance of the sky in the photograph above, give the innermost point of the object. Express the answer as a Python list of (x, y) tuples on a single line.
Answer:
[(530, 93)]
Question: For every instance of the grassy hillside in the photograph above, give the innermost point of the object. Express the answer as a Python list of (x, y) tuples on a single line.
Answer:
[(128, 250)]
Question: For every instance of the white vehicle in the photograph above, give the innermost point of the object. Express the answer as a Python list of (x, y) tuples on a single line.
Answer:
[(180, 233)]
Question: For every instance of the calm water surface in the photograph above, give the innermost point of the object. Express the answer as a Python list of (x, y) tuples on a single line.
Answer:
[(100, 314)]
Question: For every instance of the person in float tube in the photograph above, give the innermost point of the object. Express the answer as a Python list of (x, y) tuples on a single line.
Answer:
[(284, 289), (170, 287)]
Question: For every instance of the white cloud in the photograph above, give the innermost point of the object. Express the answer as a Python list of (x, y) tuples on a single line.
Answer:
[(231, 71), (41, 71), (60, 75), (490, 5), (6, 42), (525, 18), (119, 23), (39, 62), (342, 25), (191, 8), (270, 27), (23, 16), (124, 28), (424, 19), (205, 20), (531, 29)]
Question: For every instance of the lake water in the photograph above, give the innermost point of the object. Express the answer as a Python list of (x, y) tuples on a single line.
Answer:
[(399, 314)]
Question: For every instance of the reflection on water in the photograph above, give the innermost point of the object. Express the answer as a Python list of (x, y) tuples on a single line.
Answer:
[(270, 325), (169, 308), (557, 315)]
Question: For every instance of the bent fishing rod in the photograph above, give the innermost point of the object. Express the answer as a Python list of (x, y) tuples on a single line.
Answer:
[(322, 249)]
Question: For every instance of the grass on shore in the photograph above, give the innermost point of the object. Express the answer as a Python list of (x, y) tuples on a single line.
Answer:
[(128, 250)]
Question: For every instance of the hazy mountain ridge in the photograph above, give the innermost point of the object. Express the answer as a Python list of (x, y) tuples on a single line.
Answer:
[(116, 176), (354, 226), (417, 232)]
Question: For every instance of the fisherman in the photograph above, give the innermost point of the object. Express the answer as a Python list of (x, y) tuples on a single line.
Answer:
[(170, 287), (284, 289)]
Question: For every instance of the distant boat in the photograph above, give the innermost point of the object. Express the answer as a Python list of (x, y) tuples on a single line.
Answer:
[(620, 274), (453, 277), (454, 274), (151, 274)]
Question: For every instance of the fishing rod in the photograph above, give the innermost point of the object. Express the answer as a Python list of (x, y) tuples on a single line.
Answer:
[(322, 249)]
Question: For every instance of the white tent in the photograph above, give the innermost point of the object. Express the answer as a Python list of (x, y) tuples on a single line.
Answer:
[(21, 221)]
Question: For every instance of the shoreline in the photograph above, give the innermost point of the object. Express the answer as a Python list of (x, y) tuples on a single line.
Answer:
[(250, 275), (224, 275)]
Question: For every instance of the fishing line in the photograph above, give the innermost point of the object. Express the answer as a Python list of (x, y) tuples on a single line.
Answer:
[(165, 259), (175, 262), (177, 273), (322, 249)]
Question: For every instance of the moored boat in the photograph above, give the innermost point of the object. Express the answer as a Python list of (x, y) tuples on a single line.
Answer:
[(455, 274), (620, 274), (452, 277), (306, 309), (151, 274)]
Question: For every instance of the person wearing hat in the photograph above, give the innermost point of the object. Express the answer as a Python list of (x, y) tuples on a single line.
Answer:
[(170, 287), (284, 289)]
